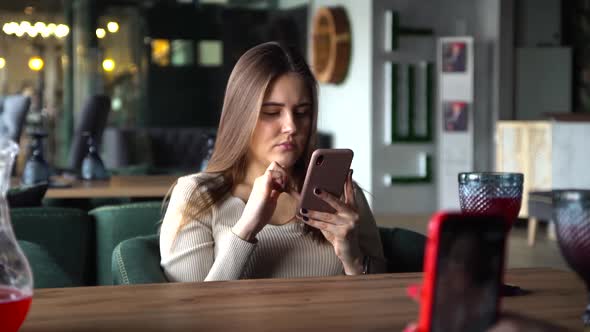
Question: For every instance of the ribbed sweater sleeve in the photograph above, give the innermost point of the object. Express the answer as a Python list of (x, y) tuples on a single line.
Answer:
[(198, 256), (232, 256)]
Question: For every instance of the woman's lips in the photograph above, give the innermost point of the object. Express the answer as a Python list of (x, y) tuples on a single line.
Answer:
[(286, 146)]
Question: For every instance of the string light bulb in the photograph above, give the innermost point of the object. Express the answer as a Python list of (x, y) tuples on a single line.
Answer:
[(36, 63), (41, 28), (108, 65), (61, 30), (100, 33), (9, 28), (113, 27), (51, 28)]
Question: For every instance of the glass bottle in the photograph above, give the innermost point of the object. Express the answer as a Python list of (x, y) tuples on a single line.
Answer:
[(92, 166), (16, 280)]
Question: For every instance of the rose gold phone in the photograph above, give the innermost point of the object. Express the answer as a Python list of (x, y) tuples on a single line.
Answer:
[(327, 170)]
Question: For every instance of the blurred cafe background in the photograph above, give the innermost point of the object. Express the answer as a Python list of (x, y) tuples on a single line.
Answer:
[(147, 78)]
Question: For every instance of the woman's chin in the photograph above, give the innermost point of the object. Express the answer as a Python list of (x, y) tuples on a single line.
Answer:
[(285, 160)]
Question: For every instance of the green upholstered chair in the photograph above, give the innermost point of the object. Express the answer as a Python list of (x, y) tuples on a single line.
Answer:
[(137, 261), (403, 249), (66, 234), (46, 271), (117, 223)]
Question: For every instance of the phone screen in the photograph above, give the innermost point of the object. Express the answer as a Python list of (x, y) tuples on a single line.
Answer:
[(469, 268)]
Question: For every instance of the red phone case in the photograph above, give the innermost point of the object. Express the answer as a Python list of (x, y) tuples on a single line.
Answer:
[(427, 296), (329, 175)]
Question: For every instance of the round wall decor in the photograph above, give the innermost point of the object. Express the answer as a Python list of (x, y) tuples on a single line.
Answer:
[(331, 42)]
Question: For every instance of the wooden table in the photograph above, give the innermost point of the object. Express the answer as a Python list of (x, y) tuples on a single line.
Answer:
[(361, 303), (117, 186)]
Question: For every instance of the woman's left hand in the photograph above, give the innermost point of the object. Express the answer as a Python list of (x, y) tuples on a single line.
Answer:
[(341, 227)]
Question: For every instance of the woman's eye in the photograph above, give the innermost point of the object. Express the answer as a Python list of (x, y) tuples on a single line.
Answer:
[(302, 112), (271, 113)]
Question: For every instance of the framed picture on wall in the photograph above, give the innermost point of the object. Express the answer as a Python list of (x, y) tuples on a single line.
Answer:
[(454, 57), (455, 117)]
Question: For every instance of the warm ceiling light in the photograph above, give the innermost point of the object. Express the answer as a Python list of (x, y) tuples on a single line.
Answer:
[(100, 33), (61, 30), (39, 28), (2, 62), (36, 63), (108, 65), (113, 27)]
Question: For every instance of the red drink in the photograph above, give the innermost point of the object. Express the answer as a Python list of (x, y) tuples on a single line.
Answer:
[(502, 206), (14, 306)]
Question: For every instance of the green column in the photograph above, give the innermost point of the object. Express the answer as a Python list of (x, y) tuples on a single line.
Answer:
[(87, 79), (65, 126)]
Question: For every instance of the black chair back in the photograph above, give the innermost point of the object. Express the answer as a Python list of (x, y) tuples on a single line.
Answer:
[(14, 112), (93, 119)]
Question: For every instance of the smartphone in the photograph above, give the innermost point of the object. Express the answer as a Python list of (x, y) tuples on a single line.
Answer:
[(327, 170), (463, 272)]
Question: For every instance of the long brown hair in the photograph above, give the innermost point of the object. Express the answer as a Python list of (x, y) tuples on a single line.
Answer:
[(247, 85)]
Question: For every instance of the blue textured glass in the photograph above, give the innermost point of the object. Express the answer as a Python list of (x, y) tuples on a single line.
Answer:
[(92, 166), (571, 213), (491, 193), (36, 168)]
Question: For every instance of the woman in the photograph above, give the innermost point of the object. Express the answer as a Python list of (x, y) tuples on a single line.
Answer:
[(238, 218)]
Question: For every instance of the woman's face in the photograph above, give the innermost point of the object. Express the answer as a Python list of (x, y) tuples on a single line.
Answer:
[(284, 123)]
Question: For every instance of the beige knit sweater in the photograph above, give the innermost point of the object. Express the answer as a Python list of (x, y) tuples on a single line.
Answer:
[(207, 249)]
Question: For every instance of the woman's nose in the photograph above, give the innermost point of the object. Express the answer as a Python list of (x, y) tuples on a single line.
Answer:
[(288, 123)]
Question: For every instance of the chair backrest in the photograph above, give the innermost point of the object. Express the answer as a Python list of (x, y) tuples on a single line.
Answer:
[(180, 148), (47, 273), (403, 249), (137, 261), (66, 233), (14, 112), (116, 223), (92, 119)]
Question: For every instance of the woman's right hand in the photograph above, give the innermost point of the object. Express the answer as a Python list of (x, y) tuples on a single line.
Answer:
[(262, 202)]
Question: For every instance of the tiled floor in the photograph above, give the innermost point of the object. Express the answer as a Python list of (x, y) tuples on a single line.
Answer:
[(545, 252)]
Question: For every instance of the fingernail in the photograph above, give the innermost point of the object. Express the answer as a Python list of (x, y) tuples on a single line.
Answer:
[(305, 218), (317, 191), (303, 211)]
